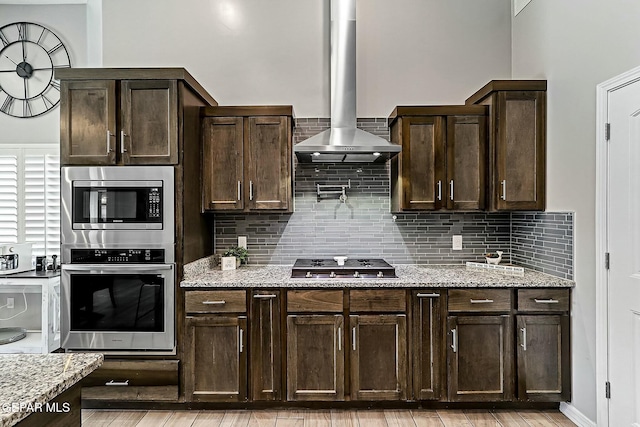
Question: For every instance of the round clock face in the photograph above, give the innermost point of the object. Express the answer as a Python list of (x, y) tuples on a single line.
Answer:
[(29, 53)]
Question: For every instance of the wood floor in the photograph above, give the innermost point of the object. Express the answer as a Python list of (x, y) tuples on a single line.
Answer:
[(325, 418)]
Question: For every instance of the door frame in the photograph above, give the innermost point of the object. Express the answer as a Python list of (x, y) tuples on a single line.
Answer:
[(602, 235)]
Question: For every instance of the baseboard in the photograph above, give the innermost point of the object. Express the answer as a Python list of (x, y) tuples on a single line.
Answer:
[(576, 416)]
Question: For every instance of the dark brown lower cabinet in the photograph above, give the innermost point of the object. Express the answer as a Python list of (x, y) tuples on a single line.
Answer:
[(266, 345), (480, 358), (427, 344), (543, 357), (315, 357), (378, 357), (216, 359)]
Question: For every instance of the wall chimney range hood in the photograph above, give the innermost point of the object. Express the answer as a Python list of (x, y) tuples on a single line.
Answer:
[(344, 142)]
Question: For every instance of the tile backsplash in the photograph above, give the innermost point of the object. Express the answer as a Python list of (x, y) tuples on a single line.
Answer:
[(362, 226)]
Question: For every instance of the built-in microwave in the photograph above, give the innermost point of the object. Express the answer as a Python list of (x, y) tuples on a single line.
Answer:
[(117, 205)]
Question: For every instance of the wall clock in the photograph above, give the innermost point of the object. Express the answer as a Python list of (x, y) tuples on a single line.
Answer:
[(29, 53)]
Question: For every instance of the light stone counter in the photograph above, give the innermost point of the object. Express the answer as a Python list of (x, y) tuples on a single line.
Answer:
[(446, 276), (29, 381)]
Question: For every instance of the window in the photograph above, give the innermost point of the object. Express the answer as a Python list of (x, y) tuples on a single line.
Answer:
[(30, 197)]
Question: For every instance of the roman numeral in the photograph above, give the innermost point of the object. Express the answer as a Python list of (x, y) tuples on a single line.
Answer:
[(55, 84), (26, 108), (47, 102), (8, 103), (44, 30), (4, 39), (53, 49), (22, 31), (62, 66)]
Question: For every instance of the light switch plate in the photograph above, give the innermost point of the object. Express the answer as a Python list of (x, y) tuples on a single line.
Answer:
[(457, 242), (242, 241)]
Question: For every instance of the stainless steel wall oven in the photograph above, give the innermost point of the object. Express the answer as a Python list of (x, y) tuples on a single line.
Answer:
[(118, 258), (120, 300)]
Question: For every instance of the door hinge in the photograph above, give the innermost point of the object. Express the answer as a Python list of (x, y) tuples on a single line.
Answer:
[(606, 260), (607, 131), (607, 390)]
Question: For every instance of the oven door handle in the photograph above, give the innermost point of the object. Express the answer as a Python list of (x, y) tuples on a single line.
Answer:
[(109, 267)]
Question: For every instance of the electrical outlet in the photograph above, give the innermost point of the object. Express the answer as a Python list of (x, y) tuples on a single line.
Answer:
[(10, 303), (457, 242), (242, 241)]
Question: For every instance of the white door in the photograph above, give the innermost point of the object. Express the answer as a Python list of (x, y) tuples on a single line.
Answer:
[(624, 249)]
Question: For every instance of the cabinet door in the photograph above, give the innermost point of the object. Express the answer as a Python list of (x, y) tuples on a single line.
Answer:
[(266, 356), (520, 150), (543, 358), (149, 133), (268, 163), (315, 357), (427, 344), (88, 122), (423, 160), (222, 166), (480, 358), (216, 359), (378, 357), (466, 136)]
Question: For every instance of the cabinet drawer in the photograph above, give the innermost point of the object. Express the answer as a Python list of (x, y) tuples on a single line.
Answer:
[(380, 300), (479, 300), (543, 300), (216, 302), (315, 300), (134, 373)]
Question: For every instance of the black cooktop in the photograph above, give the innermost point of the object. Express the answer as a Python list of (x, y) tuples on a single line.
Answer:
[(316, 268)]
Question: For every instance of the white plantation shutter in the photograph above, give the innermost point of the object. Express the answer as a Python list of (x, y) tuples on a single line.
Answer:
[(30, 201), (42, 203), (8, 198)]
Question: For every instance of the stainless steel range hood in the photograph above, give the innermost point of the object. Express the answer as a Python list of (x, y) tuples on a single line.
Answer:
[(344, 142)]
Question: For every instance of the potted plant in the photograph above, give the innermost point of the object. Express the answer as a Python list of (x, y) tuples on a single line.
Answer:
[(233, 257)]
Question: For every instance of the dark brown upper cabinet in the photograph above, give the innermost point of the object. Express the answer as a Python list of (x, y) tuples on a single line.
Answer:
[(517, 143), (442, 163), (247, 158), (124, 116)]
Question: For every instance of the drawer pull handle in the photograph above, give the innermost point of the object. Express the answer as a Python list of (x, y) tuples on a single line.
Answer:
[(454, 340), (524, 339), (480, 301), (221, 302), (120, 383), (240, 343), (265, 296), (546, 301), (339, 338), (428, 295)]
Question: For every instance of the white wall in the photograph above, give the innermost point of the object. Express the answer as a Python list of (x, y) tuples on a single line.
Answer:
[(69, 23), (576, 44), (277, 51)]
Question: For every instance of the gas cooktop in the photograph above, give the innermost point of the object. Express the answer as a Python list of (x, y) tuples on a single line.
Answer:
[(366, 268)]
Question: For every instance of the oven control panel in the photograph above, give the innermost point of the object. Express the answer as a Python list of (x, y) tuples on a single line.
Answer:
[(154, 203), (117, 256)]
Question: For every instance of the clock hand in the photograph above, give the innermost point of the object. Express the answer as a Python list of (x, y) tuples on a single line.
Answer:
[(11, 60)]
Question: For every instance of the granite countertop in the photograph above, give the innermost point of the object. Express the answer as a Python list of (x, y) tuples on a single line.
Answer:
[(28, 380), (449, 276)]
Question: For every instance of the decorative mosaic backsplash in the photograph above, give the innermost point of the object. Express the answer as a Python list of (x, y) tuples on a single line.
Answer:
[(543, 241), (362, 226)]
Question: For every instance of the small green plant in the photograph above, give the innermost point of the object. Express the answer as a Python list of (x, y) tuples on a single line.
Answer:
[(239, 252)]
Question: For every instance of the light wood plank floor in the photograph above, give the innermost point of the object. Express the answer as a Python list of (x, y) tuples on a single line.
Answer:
[(325, 418)]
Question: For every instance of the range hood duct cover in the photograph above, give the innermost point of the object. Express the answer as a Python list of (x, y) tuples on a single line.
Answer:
[(344, 142)]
